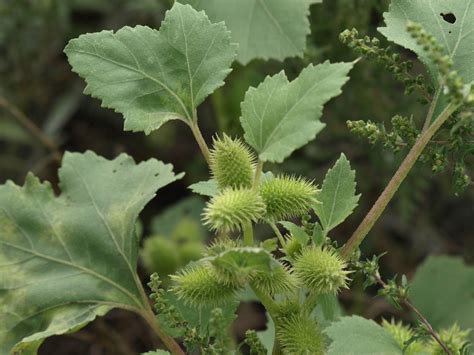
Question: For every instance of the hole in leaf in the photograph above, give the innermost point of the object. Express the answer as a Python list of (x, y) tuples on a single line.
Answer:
[(449, 17)]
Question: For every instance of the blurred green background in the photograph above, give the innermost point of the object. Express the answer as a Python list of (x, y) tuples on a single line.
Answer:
[(36, 82)]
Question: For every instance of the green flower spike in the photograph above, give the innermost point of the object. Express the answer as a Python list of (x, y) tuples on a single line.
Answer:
[(232, 163), (300, 334), (232, 208), (287, 197), (198, 285), (321, 270)]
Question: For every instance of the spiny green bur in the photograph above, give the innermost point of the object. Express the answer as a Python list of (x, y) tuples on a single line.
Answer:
[(454, 338), (287, 197), (321, 270), (402, 334), (300, 334), (232, 208), (232, 163), (279, 280), (199, 286)]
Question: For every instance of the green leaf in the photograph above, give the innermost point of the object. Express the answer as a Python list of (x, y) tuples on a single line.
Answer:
[(156, 352), (297, 232), (358, 336), (280, 116), (337, 196), (267, 336), (205, 188), (443, 291), (264, 29), (244, 260), (457, 38), (153, 76), (64, 260)]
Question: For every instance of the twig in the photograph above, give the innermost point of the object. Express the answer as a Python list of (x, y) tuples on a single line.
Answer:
[(411, 307), (31, 127)]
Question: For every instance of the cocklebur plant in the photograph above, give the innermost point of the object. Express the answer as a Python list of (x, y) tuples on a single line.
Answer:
[(82, 244)]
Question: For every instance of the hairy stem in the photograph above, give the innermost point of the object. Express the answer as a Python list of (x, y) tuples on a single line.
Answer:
[(248, 234), (258, 174), (31, 127), (411, 307), (392, 187), (200, 140)]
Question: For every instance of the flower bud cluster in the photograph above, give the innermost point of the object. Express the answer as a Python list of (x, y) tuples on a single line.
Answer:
[(370, 48), (255, 345), (449, 78)]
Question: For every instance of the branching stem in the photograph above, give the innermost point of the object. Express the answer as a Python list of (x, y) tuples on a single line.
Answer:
[(392, 187), (406, 302), (31, 127)]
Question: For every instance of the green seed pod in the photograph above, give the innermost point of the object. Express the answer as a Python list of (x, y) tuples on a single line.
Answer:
[(279, 280), (454, 338), (300, 334), (287, 197), (232, 163), (321, 270), (160, 255), (232, 208), (402, 334), (198, 286)]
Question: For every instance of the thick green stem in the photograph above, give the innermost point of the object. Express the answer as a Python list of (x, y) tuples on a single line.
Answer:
[(248, 234), (258, 174), (168, 341), (277, 233), (200, 140), (392, 187)]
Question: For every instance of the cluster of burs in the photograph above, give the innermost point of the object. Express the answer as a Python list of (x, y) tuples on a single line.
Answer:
[(231, 264)]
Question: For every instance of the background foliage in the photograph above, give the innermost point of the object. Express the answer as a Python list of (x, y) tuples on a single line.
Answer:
[(425, 218)]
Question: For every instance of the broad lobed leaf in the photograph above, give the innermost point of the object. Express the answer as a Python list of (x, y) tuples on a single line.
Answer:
[(264, 29), (359, 336), (153, 76), (443, 291), (457, 38), (66, 259), (338, 195), (280, 116)]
